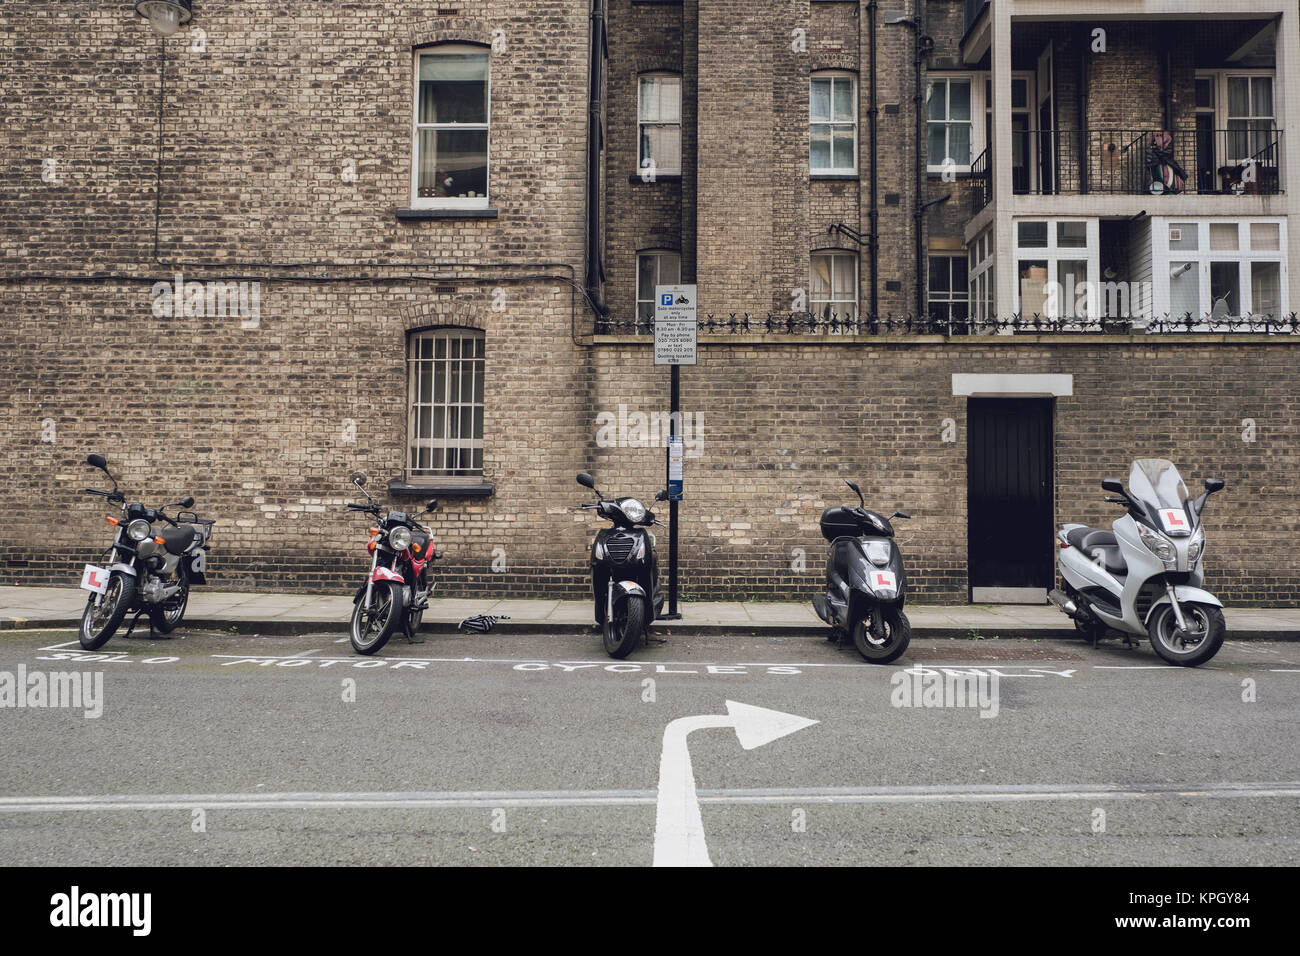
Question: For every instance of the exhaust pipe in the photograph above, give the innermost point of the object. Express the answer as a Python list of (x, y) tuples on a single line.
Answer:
[(1064, 603)]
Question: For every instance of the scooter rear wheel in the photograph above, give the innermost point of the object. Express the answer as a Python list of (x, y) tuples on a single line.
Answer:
[(884, 649), (1206, 623)]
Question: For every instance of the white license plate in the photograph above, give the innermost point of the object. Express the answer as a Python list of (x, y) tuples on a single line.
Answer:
[(94, 579)]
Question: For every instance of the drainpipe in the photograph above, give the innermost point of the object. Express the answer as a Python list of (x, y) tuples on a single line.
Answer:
[(923, 46), (873, 232), (595, 132)]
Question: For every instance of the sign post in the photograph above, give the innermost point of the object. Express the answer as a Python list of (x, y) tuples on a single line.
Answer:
[(675, 345)]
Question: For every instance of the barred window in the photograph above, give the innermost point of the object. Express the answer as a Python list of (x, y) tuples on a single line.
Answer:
[(445, 430)]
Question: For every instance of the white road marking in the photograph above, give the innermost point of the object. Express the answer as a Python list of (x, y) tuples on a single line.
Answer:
[(523, 799), (679, 830)]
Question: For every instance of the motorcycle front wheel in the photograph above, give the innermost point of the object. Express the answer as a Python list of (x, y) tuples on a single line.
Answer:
[(372, 626), (883, 648), (623, 633), (1201, 641), (99, 623)]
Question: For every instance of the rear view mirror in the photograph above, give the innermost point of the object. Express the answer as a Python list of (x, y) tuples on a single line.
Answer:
[(1212, 485), (97, 461), (1112, 485), (661, 494), (433, 505), (586, 480), (186, 502), (900, 514), (358, 477)]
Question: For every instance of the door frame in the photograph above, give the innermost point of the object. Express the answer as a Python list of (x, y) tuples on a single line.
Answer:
[(966, 385)]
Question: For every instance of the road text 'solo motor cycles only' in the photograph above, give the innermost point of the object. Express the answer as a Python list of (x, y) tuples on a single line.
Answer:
[(396, 592), (865, 582), (1144, 577), (148, 569), (624, 572)]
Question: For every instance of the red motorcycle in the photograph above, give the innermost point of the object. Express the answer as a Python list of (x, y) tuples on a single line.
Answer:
[(396, 593)]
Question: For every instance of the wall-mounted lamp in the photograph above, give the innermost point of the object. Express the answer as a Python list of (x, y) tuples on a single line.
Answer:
[(165, 16)]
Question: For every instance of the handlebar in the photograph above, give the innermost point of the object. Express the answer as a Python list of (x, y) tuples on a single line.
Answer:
[(369, 509)]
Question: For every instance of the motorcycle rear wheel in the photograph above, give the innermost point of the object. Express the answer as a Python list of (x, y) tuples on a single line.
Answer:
[(98, 624), (887, 648), (623, 633), (371, 627)]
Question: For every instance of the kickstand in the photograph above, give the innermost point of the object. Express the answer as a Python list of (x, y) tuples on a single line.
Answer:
[(136, 620)]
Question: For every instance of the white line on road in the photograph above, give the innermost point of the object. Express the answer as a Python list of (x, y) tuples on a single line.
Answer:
[(477, 799)]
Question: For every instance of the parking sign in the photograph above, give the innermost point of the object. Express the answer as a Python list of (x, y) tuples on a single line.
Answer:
[(675, 325)]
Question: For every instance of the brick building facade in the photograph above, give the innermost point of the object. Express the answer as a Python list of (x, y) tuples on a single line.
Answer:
[(407, 278)]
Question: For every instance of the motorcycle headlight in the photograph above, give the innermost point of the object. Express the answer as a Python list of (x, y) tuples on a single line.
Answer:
[(1196, 546), (634, 510), (878, 553), (1157, 544), (138, 530), (400, 538)]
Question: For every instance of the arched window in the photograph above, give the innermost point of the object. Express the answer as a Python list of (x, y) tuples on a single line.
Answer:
[(452, 117), (659, 123), (833, 123), (834, 289), (445, 389)]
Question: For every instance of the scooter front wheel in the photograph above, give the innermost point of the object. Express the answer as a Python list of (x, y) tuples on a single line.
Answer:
[(887, 647), (1201, 641), (623, 633), (372, 626)]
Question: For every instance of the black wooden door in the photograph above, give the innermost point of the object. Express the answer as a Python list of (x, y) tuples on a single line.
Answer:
[(1009, 492)]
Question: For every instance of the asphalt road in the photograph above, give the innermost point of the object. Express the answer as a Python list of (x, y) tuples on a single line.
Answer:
[(493, 749)]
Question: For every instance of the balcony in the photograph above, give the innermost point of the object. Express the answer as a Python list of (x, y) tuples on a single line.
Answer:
[(1197, 161)]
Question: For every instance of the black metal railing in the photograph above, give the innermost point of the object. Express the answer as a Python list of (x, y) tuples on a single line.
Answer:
[(981, 183), (807, 323), (1135, 161)]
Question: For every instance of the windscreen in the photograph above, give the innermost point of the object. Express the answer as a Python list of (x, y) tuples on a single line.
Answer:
[(1156, 484)]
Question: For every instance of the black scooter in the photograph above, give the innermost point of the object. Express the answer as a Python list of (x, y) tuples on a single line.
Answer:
[(865, 582), (624, 572)]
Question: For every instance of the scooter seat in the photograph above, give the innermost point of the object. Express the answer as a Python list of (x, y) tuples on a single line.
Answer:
[(1096, 543)]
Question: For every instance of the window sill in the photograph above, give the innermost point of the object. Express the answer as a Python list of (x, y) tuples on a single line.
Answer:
[(484, 212), (940, 172), (657, 178), (468, 490), (835, 177)]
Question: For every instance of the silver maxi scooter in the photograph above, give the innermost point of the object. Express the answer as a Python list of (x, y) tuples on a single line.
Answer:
[(1145, 576)]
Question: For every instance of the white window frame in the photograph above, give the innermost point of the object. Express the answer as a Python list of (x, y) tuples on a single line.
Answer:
[(445, 202), (834, 124), (659, 169), (976, 121), (416, 368), (1031, 154), (981, 254), (854, 264), (1163, 258), (1054, 255), (649, 297)]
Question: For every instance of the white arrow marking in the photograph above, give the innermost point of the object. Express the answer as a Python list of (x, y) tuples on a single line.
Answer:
[(679, 830)]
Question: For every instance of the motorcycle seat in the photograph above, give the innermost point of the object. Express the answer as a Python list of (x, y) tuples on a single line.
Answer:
[(179, 540), (1097, 543)]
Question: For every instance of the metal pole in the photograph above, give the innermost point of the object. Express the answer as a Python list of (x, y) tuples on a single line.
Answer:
[(674, 418)]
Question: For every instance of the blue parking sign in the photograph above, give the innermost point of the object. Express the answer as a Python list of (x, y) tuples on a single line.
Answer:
[(666, 299)]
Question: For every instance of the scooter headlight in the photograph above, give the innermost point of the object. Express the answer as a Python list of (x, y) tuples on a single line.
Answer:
[(139, 530), (877, 553), (1196, 546), (634, 510), (1157, 544), (400, 538)]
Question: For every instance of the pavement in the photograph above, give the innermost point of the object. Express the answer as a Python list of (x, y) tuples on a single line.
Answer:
[(219, 749), (276, 613)]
